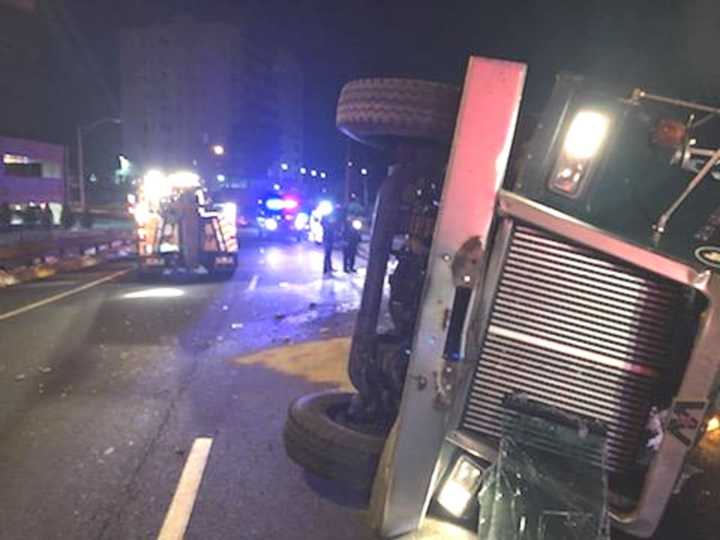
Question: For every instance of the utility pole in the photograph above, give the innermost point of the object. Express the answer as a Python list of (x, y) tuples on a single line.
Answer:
[(81, 168)]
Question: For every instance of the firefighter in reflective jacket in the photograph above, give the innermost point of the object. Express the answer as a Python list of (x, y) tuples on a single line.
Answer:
[(190, 228)]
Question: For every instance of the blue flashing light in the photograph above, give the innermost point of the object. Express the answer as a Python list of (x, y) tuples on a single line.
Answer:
[(275, 204)]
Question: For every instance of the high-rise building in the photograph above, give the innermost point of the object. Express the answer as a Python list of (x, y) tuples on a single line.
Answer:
[(209, 95), (24, 80), (289, 83)]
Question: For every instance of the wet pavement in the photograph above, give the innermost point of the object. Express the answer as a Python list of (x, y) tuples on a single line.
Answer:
[(103, 391), (106, 382)]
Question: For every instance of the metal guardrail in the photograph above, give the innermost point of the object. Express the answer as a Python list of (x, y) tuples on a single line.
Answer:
[(37, 247), (28, 236)]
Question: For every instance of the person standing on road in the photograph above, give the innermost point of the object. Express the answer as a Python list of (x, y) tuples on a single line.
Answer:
[(5, 216), (330, 226), (190, 229), (46, 217), (351, 236)]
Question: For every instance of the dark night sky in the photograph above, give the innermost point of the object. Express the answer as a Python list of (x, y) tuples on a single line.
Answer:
[(650, 43)]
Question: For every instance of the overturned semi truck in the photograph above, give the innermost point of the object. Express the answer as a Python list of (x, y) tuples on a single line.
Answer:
[(553, 362)]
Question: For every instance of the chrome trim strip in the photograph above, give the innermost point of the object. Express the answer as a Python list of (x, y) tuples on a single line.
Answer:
[(564, 225), (573, 351), (484, 131)]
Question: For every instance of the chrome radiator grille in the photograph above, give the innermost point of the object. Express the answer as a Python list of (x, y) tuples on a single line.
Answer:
[(576, 330)]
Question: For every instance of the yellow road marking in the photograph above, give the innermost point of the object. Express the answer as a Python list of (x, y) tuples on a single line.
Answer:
[(323, 361), (60, 296), (181, 507)]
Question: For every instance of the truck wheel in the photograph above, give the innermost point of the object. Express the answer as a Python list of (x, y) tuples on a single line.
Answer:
[(316, 440), (373, 111), (144, 276), (222, 275)]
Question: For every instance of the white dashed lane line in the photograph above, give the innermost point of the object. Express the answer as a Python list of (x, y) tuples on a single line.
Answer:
[(60, 296), (181, 507)]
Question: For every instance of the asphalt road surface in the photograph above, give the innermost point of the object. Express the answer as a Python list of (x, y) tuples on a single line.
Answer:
[(106, 384), (104, 391)]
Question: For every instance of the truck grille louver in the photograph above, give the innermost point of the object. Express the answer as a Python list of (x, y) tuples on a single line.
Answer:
[(576, 330)]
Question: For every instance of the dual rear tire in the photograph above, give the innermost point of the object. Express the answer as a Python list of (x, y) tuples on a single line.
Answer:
[(317, 438)]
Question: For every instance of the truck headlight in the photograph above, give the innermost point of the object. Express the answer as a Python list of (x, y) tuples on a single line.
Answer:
[(301, 221), (583, 141), (228, 211), (460, 486), (271, 225)]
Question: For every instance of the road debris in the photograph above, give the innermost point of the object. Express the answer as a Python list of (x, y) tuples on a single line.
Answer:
[(20, 377), (280, 316), (109, 450), (234, 326), (44, 369), (312, 305)]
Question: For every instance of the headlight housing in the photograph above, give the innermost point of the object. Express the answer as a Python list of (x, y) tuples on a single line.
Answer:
[(583, 141), (460, 487)]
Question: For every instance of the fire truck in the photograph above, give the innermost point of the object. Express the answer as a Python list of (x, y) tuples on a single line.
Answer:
[(179, 229)]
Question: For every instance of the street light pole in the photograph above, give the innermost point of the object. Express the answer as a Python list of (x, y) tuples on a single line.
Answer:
[(80, 154), (81, 168)]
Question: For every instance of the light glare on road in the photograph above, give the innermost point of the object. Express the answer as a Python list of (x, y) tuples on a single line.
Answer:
[(160, 292)]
